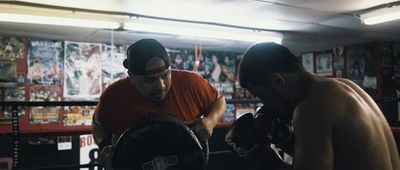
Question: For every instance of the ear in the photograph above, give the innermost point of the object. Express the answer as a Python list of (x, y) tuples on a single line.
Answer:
[(125, 63), (278, 80)]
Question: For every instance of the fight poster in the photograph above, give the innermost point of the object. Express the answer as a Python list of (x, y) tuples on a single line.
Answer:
[(78, 115), (229, 115), (14, 94), (190, 60), (225, 88), (12, 52), (82, 77), (45, 114), (176, 58), (355, 58), (242, 93), (64, 143), (307, 60), (220, 67), (338, 59), (324, 64), (8, 71), (112, 68), (3, 118), (45, 62), (362, 66), (11, 48)]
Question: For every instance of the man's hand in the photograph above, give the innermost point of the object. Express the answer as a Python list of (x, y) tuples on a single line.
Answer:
[(202, 127), (106, 157)]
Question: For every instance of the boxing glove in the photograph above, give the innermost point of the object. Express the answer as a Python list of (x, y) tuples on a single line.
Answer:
[(243, 136), (277, 130)]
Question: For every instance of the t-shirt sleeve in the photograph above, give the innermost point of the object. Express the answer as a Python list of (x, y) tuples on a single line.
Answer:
[(100, 115), (207, 94)]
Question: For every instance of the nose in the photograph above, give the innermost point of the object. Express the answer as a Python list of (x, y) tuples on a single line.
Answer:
[(160, 84)]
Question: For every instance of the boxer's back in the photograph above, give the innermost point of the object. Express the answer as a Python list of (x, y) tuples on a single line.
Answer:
[(362, 138)]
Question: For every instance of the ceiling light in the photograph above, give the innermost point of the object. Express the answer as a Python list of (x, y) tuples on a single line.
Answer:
[(381, 15), (58, 21), (202, 30)]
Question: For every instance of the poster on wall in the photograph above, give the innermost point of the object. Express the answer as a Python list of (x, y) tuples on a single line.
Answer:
[(362, 66), (78, 115), (229, 115), (338, 58), (3, 118), (184, 59), (12, 48), (112, 68), (355, 67), (8, 71), (45, 62), (14, 94), (82, 78), (6, 163), (89, 152), (64, 143), (11, 94), (370, 64), (324, 64), (307, 60), (45, 114), (241, 93), (177, 58), (220, 67)]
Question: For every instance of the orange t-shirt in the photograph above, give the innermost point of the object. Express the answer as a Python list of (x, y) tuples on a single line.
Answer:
[(121, 105)]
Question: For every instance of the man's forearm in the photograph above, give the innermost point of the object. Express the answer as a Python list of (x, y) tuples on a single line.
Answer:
[(217, 110), (100, 135)]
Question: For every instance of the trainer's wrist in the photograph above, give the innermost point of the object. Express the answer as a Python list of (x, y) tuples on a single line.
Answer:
[(104, 143)]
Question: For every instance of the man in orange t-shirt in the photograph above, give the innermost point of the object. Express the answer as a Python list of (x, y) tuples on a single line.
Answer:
[(153, 87)]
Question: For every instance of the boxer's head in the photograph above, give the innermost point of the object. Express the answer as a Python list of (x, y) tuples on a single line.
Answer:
[(149, 69), (264, 71)]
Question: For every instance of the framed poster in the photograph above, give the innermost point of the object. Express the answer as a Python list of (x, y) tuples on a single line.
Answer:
[(8, 71), (324, 64), (82, 73), (45, 62), (307, 60), (45, 114), (338, 60)]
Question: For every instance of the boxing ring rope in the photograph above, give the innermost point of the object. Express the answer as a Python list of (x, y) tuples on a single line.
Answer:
[(16, 132)]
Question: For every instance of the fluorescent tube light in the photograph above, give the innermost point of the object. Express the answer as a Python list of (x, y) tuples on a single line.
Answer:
[(381, 15), (202, 30), (58, 21)]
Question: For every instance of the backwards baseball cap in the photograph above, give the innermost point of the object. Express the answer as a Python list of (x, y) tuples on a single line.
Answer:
[(139, 54)]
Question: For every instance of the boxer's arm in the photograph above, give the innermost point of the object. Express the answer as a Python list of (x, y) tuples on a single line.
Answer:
[(313, 145)]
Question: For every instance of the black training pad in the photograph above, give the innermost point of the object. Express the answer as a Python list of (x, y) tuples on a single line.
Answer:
[(160, 136)]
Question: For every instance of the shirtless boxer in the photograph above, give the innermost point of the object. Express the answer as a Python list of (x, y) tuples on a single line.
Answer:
[(337, 126)]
